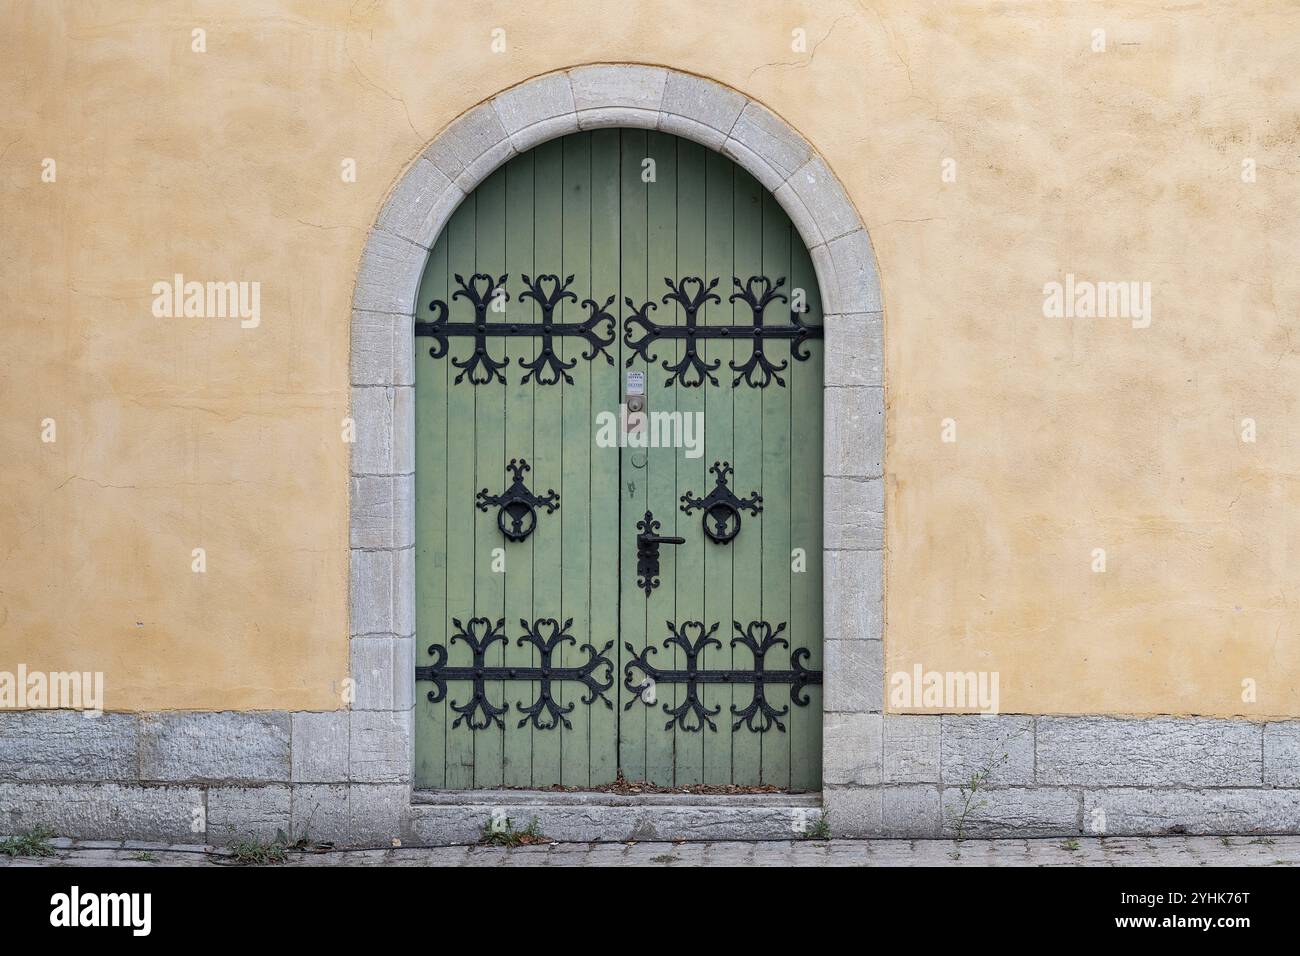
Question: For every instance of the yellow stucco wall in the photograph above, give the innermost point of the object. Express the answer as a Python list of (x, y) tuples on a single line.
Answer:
[(175, 434)]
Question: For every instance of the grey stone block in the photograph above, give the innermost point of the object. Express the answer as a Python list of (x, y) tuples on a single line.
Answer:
[(1127, 811), (382, 511), (855, 347), (530, 136), (911, 748), (320, 746), (1154, 751), (247, 813), (382, 350), (373, 582), (421, 202), (853, 589), (702, 101), (851, 749), (853, 812), (599, 87), (404, 672), (107, 811), (771, 177), (321, 813), (479, 169), (59, 745), (403, 443), (380, 748), (377, 815), (764, 133), (467, 139), (389, 277), (690, 129), (1281, 753), (226, 746), (372, 415), (854, 438), (1000, 749), (910, 811), (619, 116), (854, 676), (536, 101), (825, 199), (1011, 812), (375, 672), (853, 514), (857, 284), (404, 592)]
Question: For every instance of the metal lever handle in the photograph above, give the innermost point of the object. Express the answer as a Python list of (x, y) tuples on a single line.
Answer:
[(659, 539)]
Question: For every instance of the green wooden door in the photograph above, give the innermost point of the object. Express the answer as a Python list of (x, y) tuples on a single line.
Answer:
[(604, 269)]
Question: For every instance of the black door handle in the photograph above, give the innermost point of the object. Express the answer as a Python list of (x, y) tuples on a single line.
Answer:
[(647, 552)]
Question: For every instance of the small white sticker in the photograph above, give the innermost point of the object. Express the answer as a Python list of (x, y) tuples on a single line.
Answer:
[(636, 383)]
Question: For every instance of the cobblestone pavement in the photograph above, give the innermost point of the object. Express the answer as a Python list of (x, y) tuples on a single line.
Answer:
[(1111, 851)]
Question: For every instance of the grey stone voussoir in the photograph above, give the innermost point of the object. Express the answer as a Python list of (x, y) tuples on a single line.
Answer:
[(827, 204), (389, 277), (469, 138), (767, 136), (856, 286), (537, 101), (222, 746), (422, 200)]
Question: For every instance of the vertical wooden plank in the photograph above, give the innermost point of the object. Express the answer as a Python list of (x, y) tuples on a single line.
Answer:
[(575, 515), (519, 603), (431, 526), (490, 472), (638, 720), (659, 471), (719, 260), (777, 465), (805, 628), (748, 455), (605, 392), (548, 448), (460, 500)]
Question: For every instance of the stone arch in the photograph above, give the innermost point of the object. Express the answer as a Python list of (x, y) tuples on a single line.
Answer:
[(381, 526)]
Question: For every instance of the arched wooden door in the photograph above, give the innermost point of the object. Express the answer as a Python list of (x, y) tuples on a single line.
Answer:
[(560, 643)]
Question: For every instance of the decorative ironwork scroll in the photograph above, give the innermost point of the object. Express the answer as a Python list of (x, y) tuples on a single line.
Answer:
[(517, 516), (691, 371), (721, 518), (547, 368), (546, 635), (758, 715)]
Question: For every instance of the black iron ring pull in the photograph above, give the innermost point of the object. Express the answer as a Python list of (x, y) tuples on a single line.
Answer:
[(517, 516), (647, 552), (721, 507)]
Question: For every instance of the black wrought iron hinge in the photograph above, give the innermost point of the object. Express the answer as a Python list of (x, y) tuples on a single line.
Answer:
[(692, 370), (485, 292)]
